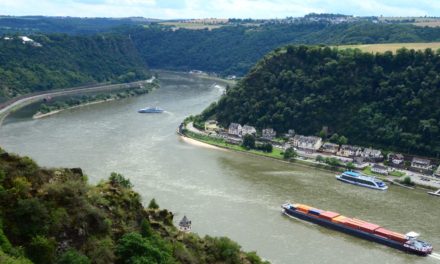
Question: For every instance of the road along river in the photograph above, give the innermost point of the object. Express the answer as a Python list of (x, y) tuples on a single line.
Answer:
[(224, 193)]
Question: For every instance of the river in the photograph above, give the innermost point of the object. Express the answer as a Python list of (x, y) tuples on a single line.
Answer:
[(224, 193)]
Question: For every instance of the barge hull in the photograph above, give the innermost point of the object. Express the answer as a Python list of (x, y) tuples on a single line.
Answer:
[(350, 231)]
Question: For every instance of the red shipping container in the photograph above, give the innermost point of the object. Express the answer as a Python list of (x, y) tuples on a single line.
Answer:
[(328, 215), (383, 232), (397, 237)]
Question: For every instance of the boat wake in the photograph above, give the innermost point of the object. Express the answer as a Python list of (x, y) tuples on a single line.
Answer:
[(435, 255)]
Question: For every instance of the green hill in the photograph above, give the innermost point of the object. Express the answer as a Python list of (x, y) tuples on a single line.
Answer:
[(384, 99), (60, 61), (53, 216)]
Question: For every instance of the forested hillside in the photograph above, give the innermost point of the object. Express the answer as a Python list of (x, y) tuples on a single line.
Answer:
[(59, 61), (53, 216), (235, 49), (384, 100), (66, 25)]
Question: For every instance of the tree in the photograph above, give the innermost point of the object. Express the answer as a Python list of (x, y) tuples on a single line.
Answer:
[(248, 141), (120, 180), (350, 166), (323, 134), (334, 138), (146, 228), (342, 140), (153, 204), (266, 147), (290, 153), (319, 158)]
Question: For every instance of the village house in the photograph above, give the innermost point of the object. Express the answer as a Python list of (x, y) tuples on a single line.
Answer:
[(372, 154), (359, 163), (379, 169), (437, 172), (420, 164), (268, 133), (248, 130), (349, 151), (306, 143), (330, 148), (290, 133), (396, 160), (211, 126), (235, 129)]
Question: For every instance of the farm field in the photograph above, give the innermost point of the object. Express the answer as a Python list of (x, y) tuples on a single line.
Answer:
[(392, 46)]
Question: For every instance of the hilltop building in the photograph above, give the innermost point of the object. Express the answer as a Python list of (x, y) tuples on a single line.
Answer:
[(185, 224)]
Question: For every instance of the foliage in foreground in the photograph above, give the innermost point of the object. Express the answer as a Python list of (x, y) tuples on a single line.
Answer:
[(52, 216)]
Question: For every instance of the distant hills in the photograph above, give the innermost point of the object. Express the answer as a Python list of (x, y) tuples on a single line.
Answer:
[(45, 62), (118, 49), (384, 99)]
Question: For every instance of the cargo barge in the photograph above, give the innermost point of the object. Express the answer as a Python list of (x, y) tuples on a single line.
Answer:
[(372, 232)]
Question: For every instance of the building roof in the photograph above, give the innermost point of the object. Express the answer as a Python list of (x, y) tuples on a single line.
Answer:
[(211, 122), (305, 139), (184, 222), (372, 151), (246, 127), (330, 145), (421, 161), (234, 126), (350, 147), (379, 167)]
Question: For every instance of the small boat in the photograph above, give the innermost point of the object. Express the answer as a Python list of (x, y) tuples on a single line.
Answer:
[(359, 179), (408, 242), (436, 193), (151, 110)]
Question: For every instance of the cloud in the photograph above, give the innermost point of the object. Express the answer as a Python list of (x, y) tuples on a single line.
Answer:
[(167, 9)]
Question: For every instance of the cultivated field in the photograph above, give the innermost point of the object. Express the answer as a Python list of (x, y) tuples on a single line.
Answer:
[(392, 46), (194, 26)]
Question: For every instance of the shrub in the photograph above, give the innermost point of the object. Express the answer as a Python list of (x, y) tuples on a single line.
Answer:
[(41, 250), (73, 257), (120, 180), (248, 142), (290, 153)]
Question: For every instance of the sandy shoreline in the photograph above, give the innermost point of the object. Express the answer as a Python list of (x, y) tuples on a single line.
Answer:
[(199, 143), (38, 116)]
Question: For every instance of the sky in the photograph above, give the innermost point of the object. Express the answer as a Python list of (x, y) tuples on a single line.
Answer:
[(168, 9)]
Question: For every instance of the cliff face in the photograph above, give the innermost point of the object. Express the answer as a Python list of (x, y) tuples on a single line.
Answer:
[(54, 216)]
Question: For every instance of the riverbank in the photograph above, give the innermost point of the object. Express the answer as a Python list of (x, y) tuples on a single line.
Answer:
[(277, 154), (18, 103), (39, 115)]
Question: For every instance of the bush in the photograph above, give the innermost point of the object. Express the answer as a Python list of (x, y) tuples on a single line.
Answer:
[(120, 180), (248, 142), (73, 257), (290, 153), (41, 250), (266, 147), (407, 180)]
